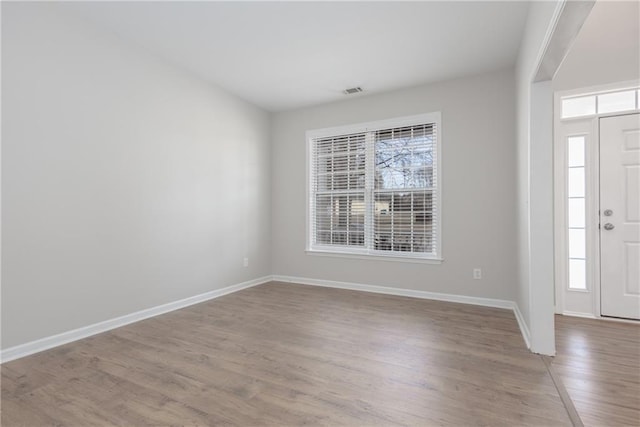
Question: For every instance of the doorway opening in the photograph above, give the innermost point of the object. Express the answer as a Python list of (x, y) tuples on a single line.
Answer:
[(597, 206)]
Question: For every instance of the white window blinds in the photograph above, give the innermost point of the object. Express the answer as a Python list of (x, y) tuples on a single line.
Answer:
[(339, 189), (374, 190)]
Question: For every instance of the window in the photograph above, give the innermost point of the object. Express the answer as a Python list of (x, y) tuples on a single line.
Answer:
[(374, 188), (577, 107), (602, 103), (576, 149)]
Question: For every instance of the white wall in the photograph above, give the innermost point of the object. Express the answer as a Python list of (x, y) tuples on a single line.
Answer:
[(479, 176), (126, 183), (607, 49)]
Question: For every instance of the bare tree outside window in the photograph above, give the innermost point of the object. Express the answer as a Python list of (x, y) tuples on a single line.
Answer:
[(403, 189)]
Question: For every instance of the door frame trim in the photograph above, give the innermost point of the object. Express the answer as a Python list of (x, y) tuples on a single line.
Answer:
[(592, 196), (561, 248)]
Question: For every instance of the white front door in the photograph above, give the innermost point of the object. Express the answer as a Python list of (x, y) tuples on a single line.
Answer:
[(620, 216)]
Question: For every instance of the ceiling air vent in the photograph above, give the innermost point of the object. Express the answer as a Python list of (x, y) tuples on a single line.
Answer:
[(352, 90)]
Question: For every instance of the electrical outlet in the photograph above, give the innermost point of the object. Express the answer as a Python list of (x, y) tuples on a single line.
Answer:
[(246, 262), (477, 273)]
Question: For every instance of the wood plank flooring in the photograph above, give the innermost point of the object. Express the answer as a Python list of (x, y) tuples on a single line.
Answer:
[(599, 364), (286, 354)]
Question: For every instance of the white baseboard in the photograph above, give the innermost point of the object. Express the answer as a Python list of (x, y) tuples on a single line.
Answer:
[(579, 314), (32, 347), (463, 299), (524, 329), (605, 318), (486, 302)]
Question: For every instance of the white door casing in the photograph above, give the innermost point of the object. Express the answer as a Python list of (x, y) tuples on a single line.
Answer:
[(620, 216)]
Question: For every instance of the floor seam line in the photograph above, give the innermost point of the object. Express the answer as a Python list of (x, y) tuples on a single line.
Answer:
[(562, 392)]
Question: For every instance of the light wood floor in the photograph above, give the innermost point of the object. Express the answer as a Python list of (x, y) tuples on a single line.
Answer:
[(284, 354), (599, 364)]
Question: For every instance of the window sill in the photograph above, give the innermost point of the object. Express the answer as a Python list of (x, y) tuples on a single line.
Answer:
[(392, 258)]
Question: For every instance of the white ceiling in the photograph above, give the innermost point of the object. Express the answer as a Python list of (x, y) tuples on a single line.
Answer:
[(284, 55), (606, 50)]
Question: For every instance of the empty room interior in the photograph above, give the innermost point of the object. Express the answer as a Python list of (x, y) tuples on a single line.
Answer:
[(320, 213)]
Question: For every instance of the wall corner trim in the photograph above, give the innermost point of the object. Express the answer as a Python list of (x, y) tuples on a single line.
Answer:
[(26, 349), (524, 330)]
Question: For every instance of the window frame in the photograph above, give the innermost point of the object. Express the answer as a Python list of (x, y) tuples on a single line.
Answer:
[(367, 253), (596, 94)]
